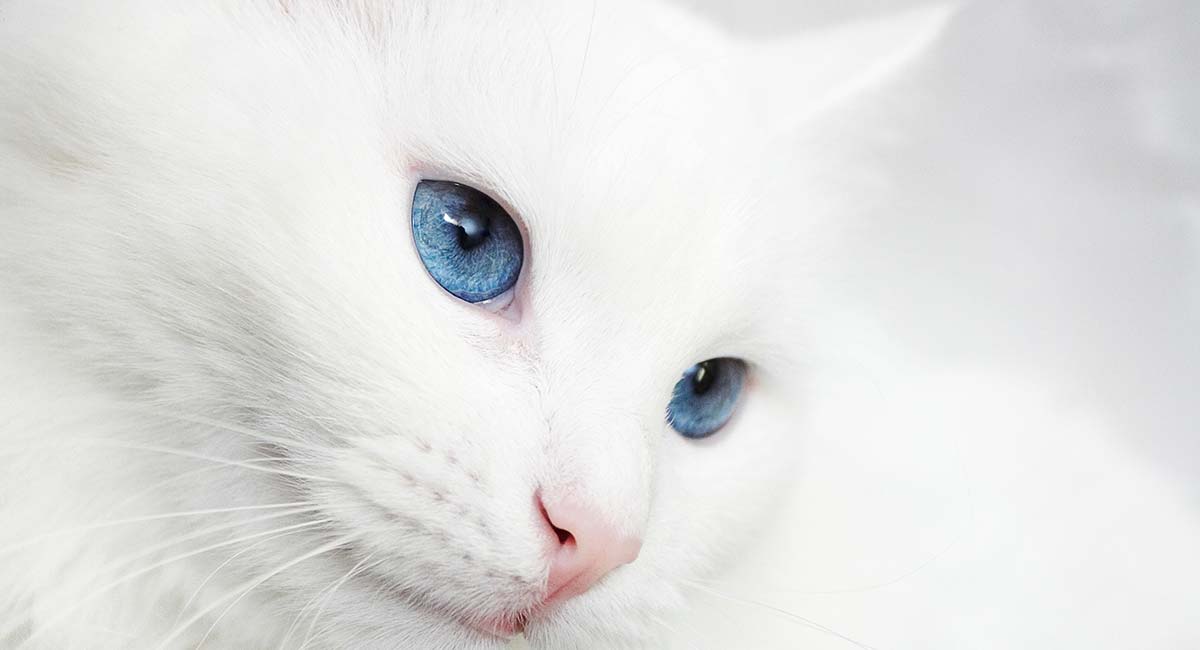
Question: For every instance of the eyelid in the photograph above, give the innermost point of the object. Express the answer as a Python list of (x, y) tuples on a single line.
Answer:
[(503, 305)]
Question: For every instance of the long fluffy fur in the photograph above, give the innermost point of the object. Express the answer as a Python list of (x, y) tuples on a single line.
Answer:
[(235, 409), (235, 412)]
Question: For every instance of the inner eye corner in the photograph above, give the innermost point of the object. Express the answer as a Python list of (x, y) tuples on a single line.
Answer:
[(503, 304)]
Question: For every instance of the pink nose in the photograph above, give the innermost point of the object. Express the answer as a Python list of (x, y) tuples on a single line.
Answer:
[(587, 548)]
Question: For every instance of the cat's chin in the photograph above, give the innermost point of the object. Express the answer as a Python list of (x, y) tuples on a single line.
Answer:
[(597, 623), (493, 627)]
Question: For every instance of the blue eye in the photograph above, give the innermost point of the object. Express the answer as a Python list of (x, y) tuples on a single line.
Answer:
[(704, 398), (466, 241)]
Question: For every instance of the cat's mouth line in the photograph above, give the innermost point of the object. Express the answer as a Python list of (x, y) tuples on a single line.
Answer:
[(499, 628), (497, 624)]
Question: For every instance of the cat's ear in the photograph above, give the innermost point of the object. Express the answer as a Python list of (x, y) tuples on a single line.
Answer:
[(799, 79)]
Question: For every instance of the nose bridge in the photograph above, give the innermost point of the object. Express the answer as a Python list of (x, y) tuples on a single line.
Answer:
[(596, 448), (591, 387), (599, 460)]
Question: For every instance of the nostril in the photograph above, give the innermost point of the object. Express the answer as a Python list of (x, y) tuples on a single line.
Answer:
[(564, 536), (588, 547)]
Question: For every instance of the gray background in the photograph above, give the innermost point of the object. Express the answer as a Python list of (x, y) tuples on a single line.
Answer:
[(1044, 227), (1102, 99)]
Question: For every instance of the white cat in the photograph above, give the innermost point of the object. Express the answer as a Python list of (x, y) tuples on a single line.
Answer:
[(238, 410)]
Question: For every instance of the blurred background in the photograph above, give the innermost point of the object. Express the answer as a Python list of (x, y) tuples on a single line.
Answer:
[(1004, 448)]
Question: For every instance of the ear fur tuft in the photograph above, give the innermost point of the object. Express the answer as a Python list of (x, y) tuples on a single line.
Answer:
[(804, 77)]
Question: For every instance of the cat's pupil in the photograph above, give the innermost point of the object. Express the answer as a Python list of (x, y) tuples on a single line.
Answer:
[(704, 378), (472, 230)]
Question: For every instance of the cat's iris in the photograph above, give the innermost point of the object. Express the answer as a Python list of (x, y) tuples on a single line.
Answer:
[(705, 396), (466, 241)]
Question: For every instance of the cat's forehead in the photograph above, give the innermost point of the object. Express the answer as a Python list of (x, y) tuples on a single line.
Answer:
[(565, 96), (616, 146)]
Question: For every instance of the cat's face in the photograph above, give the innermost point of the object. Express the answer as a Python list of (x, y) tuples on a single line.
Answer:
[(259, 270), (451, 420)]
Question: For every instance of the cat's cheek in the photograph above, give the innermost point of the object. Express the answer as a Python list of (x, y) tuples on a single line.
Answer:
[(727, 486)]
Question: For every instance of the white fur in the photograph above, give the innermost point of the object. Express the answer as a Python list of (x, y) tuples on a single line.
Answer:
[(206, 262), (1000, 447)]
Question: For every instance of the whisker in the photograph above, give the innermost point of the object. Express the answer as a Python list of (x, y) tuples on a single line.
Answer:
[(587, 48), (249, 586), (158, 485), (308, 635), (300, 616), (99, 442), (782, 612), (232, 428), (214, 572), (855, 590), (136, 520), (124, 579)]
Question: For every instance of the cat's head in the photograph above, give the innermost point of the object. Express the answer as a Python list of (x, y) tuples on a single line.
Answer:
[(480, 419)]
